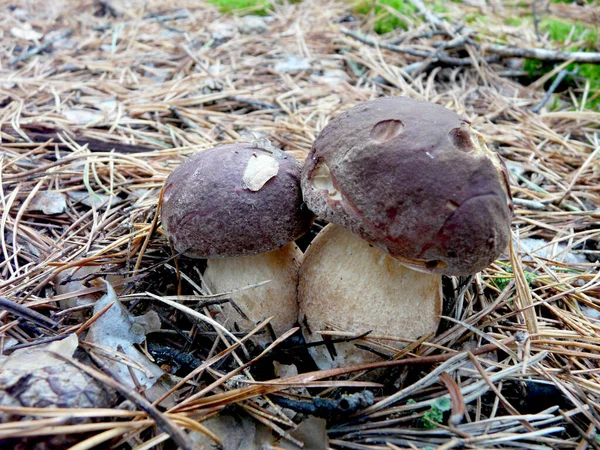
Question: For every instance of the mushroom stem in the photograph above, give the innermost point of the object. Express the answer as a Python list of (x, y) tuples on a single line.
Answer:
[(347, 284), (277, 298)]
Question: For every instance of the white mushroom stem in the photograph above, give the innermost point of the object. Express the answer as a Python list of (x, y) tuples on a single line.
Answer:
[(347, 284), (277, 298)]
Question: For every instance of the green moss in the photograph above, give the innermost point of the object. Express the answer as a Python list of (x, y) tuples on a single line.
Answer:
[(513, 21), (559, 31), (384, 20), (502, 282), (533, 67), (435, 414), (440, 8), (260, 7), (589, 71), (470, 18), (592, 73), (570, 1)]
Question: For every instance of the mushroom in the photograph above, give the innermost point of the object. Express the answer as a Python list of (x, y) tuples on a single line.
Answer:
[(277, 298), (240, 207), (354, 286), (414, 179)]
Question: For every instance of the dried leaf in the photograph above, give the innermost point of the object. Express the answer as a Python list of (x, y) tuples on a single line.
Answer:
[(39, 357), (312, 431), (118, 330), (260, 169), (34, 377), (236, 432), (26, 33), (49, 202), (82, 116)]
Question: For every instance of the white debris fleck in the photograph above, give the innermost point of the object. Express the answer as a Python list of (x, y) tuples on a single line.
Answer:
[(97, 200), (554, 251), (260, 169), (252, 24), (293, 63), (220, 30), (332, 77), (82, 116), (49, 202), (26, 33)]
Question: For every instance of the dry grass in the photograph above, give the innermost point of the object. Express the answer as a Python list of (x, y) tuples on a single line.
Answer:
[(158, 89)]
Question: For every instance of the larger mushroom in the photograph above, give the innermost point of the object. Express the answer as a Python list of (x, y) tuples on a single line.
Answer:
[(240, 207), (414, 179)]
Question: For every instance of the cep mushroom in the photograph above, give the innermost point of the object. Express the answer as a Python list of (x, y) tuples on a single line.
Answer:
[(240, 207), (416, 181)]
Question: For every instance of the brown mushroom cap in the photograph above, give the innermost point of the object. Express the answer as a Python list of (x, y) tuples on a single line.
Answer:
[(413, 178), (234, 200)]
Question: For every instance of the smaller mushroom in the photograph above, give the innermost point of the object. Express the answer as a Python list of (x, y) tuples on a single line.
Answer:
[(277, 298), (241, 207)]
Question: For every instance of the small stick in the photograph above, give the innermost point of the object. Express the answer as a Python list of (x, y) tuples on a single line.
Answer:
[(94, 145), (561, 76), (40, 48), (427, 34), (257, 103), (543, 54), (28, 314), (536, 20), (429, 16), (441, 57), (183, 15)]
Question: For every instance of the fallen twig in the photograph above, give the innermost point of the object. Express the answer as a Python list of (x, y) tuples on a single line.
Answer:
[(503, 50), (542, 54), (435, 55), (40, 48), (44, 133), (561, 76), (28, 314)]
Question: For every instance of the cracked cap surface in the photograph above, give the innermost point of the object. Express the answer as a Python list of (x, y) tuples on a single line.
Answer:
[(413, 178)]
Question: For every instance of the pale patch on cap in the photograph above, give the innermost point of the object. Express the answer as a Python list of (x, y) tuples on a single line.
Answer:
[(260, 169)]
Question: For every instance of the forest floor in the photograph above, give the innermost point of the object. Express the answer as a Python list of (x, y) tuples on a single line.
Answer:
[(101, 100)]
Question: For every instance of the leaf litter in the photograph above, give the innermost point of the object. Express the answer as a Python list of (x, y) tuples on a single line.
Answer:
[(101, 101)]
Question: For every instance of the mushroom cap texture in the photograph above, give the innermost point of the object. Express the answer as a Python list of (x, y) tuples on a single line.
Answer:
[(413, 178), (209, 211)]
